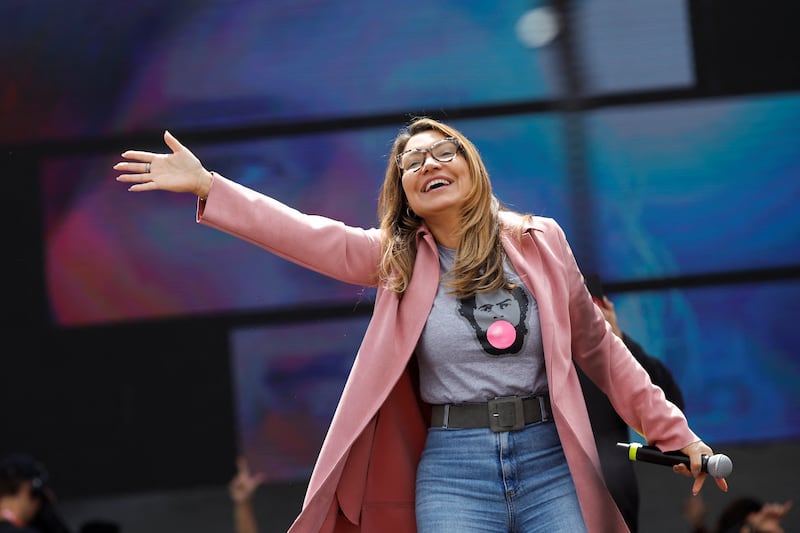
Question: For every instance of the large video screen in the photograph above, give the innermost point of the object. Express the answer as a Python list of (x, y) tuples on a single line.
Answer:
[(287, 382), (632, 46), (209, 64), (695, 188), (668, 184), (733, 349), (112, 255)]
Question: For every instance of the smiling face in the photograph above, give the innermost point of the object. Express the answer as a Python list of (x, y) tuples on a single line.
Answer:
[(437, 191)]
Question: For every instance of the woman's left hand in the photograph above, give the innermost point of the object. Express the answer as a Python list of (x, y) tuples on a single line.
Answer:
[(695, 451)]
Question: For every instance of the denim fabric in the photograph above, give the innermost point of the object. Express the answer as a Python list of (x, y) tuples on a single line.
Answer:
[(474, 480)]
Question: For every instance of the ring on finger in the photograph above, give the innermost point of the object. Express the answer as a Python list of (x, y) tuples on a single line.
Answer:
[(147, 168)]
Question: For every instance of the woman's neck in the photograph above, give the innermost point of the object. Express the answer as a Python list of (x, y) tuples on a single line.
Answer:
[(445, 231)]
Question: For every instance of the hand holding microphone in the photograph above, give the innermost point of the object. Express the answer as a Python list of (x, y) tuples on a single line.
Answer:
[(718, 466)]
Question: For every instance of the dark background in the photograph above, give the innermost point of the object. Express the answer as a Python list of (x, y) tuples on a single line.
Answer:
[(121, 406)]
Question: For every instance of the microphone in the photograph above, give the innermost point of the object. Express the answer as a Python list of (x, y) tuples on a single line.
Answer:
[(718, 465)]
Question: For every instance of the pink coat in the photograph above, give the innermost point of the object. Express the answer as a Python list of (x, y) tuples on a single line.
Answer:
[(364, 477)]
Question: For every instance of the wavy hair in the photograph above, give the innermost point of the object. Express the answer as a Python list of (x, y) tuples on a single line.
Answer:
[(479, 257)]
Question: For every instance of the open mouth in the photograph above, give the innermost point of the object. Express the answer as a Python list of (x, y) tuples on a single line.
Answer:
[(436, 184)]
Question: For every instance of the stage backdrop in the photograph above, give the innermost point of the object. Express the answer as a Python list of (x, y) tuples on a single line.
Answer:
[(293, 99)]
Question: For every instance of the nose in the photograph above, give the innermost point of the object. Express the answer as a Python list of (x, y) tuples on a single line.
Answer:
[(429, 157)]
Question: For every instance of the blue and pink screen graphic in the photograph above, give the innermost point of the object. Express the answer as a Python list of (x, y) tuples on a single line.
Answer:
[(675, 189)]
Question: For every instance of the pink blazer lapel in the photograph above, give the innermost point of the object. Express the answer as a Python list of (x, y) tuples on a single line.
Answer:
[(530, 267)]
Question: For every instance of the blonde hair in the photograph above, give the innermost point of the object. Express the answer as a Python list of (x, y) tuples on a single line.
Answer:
[(479, 258)]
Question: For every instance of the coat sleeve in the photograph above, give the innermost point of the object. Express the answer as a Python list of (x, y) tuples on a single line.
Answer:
[(610, 365), (659, 373), (327, 246)]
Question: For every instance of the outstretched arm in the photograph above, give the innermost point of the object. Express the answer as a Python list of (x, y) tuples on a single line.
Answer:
[(179, 171), (325, 245)]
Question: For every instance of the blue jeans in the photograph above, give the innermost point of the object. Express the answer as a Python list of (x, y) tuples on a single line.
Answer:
[(475, 480)]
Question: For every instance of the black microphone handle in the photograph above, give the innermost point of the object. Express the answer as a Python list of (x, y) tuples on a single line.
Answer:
[(651, 454), (720, 465)]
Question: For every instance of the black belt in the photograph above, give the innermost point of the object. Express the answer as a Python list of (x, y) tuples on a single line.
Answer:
[(501, 414)]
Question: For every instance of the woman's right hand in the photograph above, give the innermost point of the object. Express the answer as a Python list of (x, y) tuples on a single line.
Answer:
[(179, 171)]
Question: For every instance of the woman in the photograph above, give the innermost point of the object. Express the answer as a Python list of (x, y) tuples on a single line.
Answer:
[(458, 415)]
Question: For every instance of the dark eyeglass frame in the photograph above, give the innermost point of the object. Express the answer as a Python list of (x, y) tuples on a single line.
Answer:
[(398, 159)]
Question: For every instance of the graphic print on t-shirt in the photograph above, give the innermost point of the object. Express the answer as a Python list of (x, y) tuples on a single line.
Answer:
[(499, 319)]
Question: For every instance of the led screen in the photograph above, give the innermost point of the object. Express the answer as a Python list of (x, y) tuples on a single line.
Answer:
[(632, 46), (212, 63), (111, 255), (668, 184), (698, 187), (287, 381), (733, 350), (208, 64)]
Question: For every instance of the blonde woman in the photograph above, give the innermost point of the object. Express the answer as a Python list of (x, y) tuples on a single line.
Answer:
[(435, 431)]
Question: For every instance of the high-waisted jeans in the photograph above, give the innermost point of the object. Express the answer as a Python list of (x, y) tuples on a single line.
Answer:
[(475, 480)]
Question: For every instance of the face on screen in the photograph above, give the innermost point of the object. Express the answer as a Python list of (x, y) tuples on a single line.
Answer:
[(662, 176)]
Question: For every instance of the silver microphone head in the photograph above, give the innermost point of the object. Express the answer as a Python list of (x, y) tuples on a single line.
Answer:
[(719, 465)]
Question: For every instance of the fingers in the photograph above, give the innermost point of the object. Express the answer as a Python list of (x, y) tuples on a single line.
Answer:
[(259, 478), (244, 483), (172, 142), (243, 469), (776, 510), (700, 479), (179, 171), (695, 451), (241, 465), (137, 168), (144, 157), (697, 486), (139, 155), (143, 187), (141, 180), (682, 469)]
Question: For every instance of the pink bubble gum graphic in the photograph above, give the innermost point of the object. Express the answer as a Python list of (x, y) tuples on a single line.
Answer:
[(501, 334)]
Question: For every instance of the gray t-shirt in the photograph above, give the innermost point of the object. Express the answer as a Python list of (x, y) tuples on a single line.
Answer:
[(479, 348)]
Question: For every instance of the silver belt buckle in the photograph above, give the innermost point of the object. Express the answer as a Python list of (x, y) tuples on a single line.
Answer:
[(506, 414)]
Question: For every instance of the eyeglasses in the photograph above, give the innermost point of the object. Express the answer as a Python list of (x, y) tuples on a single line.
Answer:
[(442, 151)]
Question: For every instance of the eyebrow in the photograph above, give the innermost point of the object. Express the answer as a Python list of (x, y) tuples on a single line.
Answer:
[(407, 149)]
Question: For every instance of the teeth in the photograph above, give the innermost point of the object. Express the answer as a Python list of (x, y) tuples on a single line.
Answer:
[(434, 183)]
